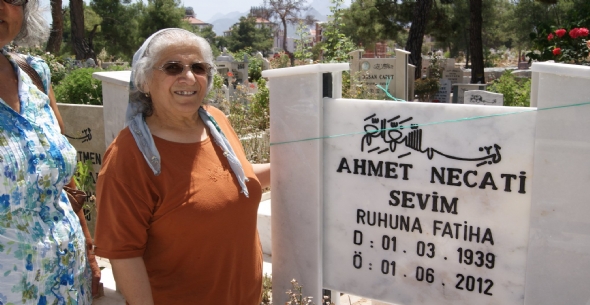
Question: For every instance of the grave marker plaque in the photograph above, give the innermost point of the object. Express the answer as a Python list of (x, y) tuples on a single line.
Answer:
[(390, 73), (481, 97), (444, 92), (432, 214), (459, 91), (455, 75)]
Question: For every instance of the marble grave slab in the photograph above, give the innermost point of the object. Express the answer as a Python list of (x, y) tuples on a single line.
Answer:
[(427, 214), (481, 97)]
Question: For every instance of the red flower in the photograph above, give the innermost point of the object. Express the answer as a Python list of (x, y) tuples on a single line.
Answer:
[(550, 37), (556, 51), (574, 33), (560, 32), (230, 74), (583, 32)]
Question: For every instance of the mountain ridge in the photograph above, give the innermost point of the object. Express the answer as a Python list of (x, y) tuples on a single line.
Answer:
[(320, 9)]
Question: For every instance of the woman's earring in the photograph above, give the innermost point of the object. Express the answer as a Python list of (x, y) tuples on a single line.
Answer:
[(147, 94)]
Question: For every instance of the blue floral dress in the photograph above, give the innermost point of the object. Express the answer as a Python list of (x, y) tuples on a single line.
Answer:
[(42, 246)]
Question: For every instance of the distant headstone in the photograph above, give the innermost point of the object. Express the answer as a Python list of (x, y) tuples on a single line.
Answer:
[(385, 72), (480, 97), (265, 62), (455, 75), (90, 63), (232, 71), (459, 91), (444, 92)]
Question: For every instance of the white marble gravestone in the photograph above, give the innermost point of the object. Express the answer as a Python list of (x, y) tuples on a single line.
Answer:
[(459, 91), (436, 212), (558, 262), (115, 96), (444, 92), (392, 74), (481, 97), (455, 75)]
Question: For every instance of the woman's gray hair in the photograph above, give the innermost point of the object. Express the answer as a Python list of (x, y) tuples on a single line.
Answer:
[(35, 29), (143, 68)]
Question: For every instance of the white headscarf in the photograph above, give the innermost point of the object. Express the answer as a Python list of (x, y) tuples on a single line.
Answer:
[(143, 137)]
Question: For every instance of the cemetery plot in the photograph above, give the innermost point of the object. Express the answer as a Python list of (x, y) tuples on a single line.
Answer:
[(426, 214)]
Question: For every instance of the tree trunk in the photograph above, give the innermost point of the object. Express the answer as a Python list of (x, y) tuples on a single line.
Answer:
[(467, 49), (81, 48), (284, 21), (57, 28), (416, 35), (475, 42)]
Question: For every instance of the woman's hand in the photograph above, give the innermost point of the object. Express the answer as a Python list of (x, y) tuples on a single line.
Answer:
[(132, 279)]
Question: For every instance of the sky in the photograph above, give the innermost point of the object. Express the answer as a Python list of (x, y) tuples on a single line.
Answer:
[(204, 9)]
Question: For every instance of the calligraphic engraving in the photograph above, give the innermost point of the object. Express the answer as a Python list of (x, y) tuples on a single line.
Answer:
[(87, 135), (383, 66), (392, 132), (478, 99)]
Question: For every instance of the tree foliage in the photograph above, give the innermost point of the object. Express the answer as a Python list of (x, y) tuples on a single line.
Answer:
[(302, 43), (245, 34), (335, 44), (288, 12), (120, 25), (161, 14), (369, 21)]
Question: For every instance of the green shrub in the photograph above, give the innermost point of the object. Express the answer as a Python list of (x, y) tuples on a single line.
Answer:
[(259, 106), (426, 88), (516, 91), (354, 87), (280, 60), (254, 68), (79, 87)]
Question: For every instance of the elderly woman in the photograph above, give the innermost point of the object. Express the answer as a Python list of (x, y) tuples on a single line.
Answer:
[(177, 199), (43, 257)]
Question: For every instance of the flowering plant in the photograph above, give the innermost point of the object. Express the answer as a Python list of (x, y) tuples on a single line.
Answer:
[(562, 45)]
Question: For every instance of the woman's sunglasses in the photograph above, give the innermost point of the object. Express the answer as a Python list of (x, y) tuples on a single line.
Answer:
[(176, 68), (17, 2)]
